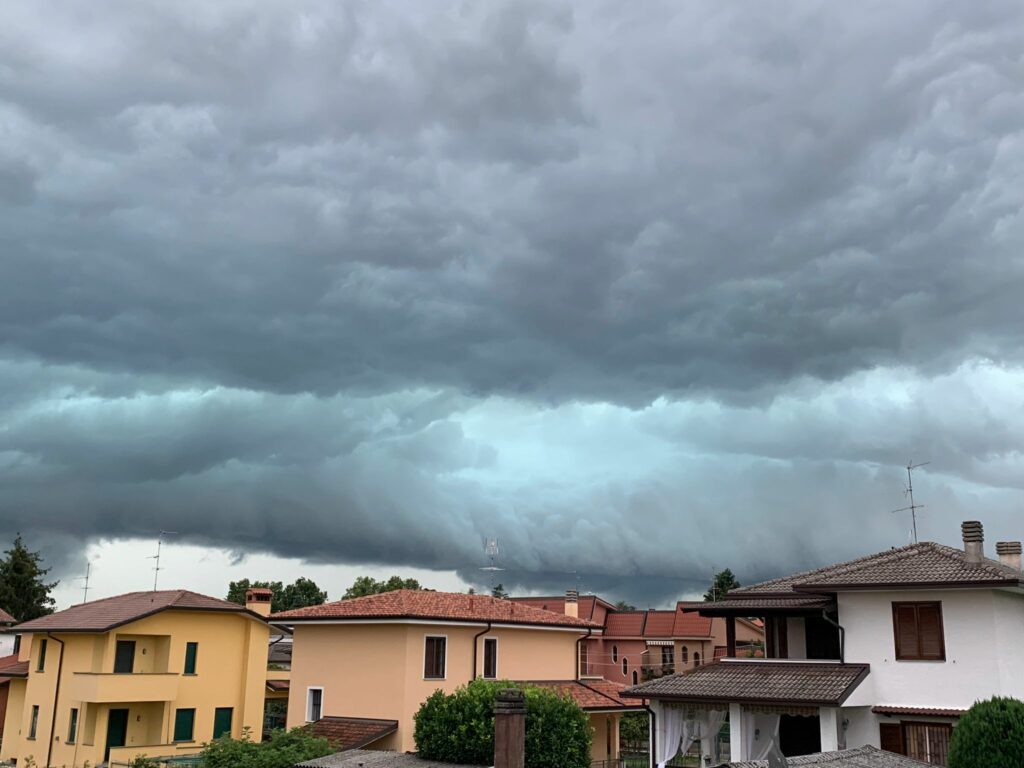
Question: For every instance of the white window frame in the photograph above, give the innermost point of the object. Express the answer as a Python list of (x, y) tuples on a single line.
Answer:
[(309, 702), (483, 666), (423, 666)]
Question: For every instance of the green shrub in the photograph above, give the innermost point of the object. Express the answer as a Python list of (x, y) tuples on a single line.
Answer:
[(459, 728), (282, 750), (990, 735)]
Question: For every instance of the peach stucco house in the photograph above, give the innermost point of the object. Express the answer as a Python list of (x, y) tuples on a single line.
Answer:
[(361, 668), (637, 645)]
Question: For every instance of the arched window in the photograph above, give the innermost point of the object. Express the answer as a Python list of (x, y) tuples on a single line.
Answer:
[(696, 659), (686, 655), (615, 653), (625, 666), (635, 678)]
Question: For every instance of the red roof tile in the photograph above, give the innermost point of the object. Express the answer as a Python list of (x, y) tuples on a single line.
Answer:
[(103, 615), (922, 711), (6, 618), (590, 694), (626, 624), (11, 667), (352, 732), (279, 685), (441, 606), (587, 604), (691, 625), (659, 623)]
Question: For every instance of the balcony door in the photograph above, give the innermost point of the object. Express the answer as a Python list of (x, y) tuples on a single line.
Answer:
[(124, 657), (117, 731)]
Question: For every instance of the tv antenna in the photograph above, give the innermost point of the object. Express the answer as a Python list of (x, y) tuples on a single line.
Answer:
[(85, 587), (491, 550), (908, 492), (159, 544)]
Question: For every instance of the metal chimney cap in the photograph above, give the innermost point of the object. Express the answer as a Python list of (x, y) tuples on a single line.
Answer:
[(1008, 547), (972, 530)]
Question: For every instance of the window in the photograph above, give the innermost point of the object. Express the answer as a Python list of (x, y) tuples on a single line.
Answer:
[(73, 726), (668, 657), (222, 721), (625, 666), (41, 664), (917, 628), (696, 659), (191, 651), (636, 678), (928, 742), (34, 722), (615, 653), (685, 653), (184, 724), (17, 644), (491, 658), (124, 657), (584, 659), (434, 651), (314, 704)]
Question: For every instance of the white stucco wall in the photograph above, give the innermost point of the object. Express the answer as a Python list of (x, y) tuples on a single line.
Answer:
[(6, 645), (796, 637), (981, 627)]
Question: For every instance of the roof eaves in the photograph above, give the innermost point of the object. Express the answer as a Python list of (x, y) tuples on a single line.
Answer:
[(891, 585)]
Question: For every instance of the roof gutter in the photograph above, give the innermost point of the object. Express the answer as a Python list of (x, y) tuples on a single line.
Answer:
[(56, 694), (476, 641)]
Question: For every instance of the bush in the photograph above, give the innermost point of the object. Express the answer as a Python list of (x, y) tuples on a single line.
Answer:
[(282, 750), (990, 735), (459, 728)]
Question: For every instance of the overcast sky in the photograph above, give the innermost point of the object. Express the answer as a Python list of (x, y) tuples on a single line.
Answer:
[(643, 290)]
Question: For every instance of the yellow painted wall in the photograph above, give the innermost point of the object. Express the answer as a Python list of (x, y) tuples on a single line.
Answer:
[(376, 670), (230, 672)]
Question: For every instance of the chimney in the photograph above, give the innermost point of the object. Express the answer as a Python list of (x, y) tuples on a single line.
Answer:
[(1009, 553), (572, 603), (974, 540), (258, 599), (509, 728)]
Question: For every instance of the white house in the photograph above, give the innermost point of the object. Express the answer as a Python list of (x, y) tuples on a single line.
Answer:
[(887, 650)]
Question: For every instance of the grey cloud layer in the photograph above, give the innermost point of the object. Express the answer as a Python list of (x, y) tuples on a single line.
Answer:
[(268, 257)]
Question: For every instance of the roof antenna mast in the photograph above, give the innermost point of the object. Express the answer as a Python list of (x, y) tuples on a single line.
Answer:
[(159, 544), (491, 550), (85, 587), (908, 492)]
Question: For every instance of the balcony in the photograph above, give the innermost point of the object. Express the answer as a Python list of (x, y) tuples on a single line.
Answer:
[(111, 687)]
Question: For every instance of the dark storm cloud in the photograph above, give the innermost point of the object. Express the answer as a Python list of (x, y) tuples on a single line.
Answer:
[(258, 264)]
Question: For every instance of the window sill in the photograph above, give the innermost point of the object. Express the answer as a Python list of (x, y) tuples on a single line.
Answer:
[(184, 741), (434, 679)]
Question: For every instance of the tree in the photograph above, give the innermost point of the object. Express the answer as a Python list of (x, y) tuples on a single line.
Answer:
[(23, 592), (622, 605), (499, 592), (724, 581), (367, 585), (990, 735), (299, 594), (459, 727)]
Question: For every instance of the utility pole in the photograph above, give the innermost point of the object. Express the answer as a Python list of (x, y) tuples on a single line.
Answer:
[(909, 493)]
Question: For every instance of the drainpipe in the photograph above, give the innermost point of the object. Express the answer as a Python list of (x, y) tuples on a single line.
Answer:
[(476, 640), (56, 694), (590, 631), (842, 635)]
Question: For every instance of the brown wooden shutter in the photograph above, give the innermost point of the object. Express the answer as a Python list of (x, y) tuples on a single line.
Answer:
[(904, 618), (892, 737), (929, 628)]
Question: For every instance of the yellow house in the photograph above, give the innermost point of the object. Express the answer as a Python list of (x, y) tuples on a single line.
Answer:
[(156, 673), (361, 668)]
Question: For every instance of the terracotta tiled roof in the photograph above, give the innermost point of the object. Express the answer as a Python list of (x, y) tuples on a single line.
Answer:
[(591, 694), (352, 732), (882, 709), (691, 625), (780, 682), (442, 606), (659, 623), (103, 615), (917, 565), (626, 624), (585, 609), (11, 667), (279, 685), (737, 606), (860, 757), (6, 618)]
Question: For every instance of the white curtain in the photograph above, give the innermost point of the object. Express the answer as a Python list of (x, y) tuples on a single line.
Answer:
[(676, 731), (760, 734), (710, 724)]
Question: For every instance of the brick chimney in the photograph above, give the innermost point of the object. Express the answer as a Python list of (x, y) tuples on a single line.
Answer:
[(1009, 553), (572, 603), (974, 540), (258, 599), (509, 728)]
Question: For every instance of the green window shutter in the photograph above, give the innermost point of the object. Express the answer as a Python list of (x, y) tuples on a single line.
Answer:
[(184, 724), (42, 656), (191, 652), (222, 722), (34, 724), (73, 726)]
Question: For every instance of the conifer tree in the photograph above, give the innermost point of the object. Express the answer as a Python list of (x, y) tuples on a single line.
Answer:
[(24, 593)]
